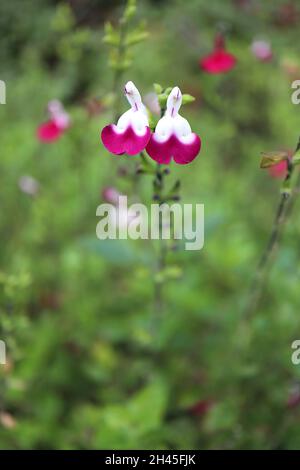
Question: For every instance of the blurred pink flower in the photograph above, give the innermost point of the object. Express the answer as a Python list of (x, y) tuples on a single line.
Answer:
[(111, 194), (262, 50), (219, 61), (59, 121), (279, 170)]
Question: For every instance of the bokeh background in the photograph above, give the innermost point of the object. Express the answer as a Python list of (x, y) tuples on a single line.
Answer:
[(90, 364)]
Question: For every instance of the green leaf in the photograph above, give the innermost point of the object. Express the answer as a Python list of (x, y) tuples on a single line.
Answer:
[(136, 38), (148, 406), (222, 416), (157, 88), (153, 120), (170, 273), (146, 165), (130, 10), (137, 35), (162, 100), (111, 36), (125, 425), (272, 158), (63, 20), (144, 412), (117, 251), (186, 99)]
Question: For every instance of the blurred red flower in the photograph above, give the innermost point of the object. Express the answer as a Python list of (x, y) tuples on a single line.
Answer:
[(49, 132), (201, 407), (219, 61)]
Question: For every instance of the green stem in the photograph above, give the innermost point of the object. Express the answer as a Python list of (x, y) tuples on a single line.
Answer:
[(284, 210), (161, 262), (162, 253), (119, 71)]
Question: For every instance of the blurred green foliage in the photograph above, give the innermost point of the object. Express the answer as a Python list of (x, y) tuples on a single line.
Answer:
[(89, 363)]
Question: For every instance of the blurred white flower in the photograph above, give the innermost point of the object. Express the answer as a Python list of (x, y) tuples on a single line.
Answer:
[(29, 185)]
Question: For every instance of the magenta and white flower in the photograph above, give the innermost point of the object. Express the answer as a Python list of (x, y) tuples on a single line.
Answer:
[(132, 132), (58, 123), (173, 137)]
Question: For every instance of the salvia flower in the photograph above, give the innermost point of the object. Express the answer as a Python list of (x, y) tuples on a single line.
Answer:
[(59, 121), (132, 132), (262, 50), (279, 171), (219, 61), (173, 136)]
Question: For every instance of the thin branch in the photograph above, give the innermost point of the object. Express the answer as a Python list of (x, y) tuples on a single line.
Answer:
[(283, 211)]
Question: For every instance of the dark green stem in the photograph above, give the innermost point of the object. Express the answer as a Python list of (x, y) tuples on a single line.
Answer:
[(119, 71), (284, 209), (161, 262)]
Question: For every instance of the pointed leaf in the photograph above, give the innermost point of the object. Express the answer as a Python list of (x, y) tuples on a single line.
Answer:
[(272, 158)]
